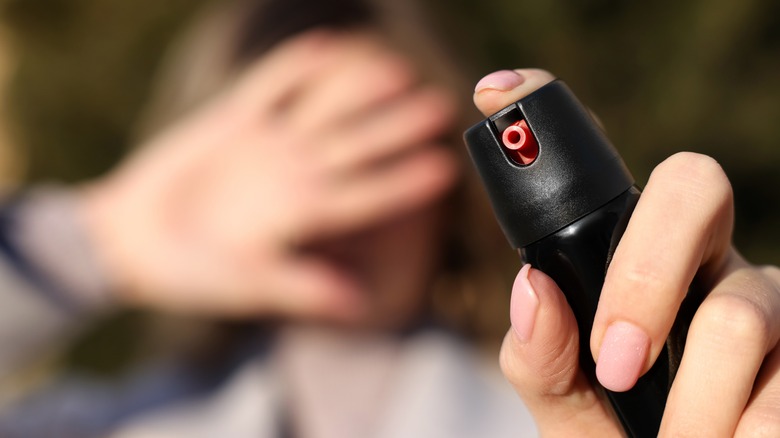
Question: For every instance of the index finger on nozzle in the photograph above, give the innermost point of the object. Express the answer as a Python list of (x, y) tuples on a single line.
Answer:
[(504, 87)]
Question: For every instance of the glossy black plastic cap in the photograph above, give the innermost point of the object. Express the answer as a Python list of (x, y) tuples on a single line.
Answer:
[(576, 171)]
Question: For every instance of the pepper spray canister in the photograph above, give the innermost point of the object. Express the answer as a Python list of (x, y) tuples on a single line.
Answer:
[(563, 197)]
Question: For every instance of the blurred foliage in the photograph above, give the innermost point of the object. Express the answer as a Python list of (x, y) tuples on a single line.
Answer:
[(84, 69), (663, 76)]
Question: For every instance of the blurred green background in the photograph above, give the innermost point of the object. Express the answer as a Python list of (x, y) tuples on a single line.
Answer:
[(663, 76)]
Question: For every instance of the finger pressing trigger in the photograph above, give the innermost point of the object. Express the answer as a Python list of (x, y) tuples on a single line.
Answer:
[(499, 89)]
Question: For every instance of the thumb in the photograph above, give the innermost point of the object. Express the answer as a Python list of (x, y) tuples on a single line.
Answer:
[(499, 89), (539, 357)]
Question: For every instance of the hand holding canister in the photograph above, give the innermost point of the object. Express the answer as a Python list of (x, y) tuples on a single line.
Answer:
[(675, 259), (565, 209), (564, 206)]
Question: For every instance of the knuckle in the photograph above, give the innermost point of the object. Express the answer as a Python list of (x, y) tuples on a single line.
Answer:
[(737, 320), (760, 421), (540, 73), (700, 174), (639, 277), (690, 162), (558, 376), (548, 373), (773, 273)]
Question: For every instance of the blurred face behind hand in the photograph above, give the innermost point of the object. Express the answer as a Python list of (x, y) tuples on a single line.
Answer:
[(309, 189)]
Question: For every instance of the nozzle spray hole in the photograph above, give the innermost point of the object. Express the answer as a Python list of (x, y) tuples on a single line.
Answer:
[(521, 143), (513, 137)]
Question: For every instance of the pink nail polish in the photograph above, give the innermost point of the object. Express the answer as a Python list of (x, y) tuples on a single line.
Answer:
[(523, 306), (502, 80), (622, 356)]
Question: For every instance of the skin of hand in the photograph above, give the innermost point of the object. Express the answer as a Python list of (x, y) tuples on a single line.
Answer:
[(288, 192), (728, 383)]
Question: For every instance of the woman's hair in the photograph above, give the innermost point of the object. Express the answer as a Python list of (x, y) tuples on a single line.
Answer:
[(470, 291)]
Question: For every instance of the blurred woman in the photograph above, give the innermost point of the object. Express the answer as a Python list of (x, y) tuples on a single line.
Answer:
[(303, 176)]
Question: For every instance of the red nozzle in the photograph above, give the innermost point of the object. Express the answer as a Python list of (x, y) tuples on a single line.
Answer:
[(521, 143)]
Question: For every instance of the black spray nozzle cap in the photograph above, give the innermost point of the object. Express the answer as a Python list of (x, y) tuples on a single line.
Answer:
[(576, 171)]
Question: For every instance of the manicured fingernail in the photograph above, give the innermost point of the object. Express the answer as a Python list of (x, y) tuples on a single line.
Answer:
[(524, 304), (502, 80), (622, 356)]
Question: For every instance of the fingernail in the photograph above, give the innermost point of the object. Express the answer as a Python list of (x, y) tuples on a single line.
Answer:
[(622, 356), (502, 80), (523, 306)]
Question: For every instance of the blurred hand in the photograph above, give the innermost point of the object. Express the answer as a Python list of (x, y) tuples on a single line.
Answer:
[(326, 135), (729, 380)]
